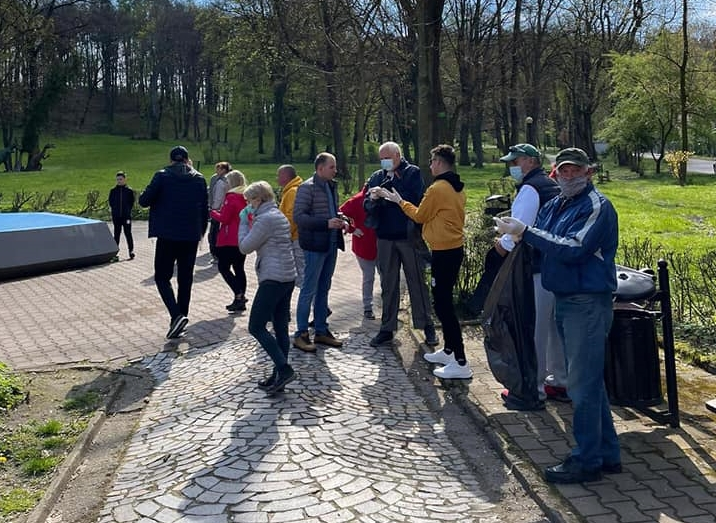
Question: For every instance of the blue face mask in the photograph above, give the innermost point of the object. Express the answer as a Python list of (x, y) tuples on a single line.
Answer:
[(516, 173), (386, 164)]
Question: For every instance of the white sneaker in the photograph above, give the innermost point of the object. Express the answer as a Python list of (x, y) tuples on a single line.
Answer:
[(440, 357), (454, 370)]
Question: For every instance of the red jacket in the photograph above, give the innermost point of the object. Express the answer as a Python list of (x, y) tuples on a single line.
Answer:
[(228, 217), (365, 246)]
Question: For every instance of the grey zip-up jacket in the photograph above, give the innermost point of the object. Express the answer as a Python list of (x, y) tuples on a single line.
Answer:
[(269, 234)]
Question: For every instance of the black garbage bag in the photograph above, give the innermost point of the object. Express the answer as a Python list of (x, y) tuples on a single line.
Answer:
[(508, 323)]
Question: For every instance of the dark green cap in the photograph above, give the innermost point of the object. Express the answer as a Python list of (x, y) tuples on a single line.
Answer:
[(572, 155), (521, 149)]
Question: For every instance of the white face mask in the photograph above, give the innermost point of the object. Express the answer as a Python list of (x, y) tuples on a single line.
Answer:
[(386, 164), (572, 186), (516, 173)]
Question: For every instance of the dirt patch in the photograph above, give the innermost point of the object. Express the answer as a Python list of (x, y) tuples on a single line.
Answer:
[(75, 492)]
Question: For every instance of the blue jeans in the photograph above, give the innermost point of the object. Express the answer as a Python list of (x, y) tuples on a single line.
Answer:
[(272, 302), (317, 277), (583, 323)]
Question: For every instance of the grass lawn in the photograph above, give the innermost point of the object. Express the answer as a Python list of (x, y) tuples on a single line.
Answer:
[(655, 207)]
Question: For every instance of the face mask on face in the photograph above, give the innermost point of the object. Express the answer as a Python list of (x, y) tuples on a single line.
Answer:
[(516, 173), (572, 186), (386, 164)]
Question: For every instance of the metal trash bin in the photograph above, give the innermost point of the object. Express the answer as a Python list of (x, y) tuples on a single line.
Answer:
[(632, 372), (497, 204)]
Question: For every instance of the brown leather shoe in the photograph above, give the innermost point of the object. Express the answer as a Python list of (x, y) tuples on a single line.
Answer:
[(303, 342), (327, 339)]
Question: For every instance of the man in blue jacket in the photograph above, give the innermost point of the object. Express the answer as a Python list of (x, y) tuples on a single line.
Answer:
[(577, 235), (320, 235), (399, 244), (178, 217)]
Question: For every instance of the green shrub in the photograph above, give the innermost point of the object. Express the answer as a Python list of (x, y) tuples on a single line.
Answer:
[(11, 388)]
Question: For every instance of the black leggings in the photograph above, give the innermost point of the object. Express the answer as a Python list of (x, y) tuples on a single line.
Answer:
[(231, 258)]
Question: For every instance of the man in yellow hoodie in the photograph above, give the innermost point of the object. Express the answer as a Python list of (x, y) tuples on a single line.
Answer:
[(289, 180), (442, 214)]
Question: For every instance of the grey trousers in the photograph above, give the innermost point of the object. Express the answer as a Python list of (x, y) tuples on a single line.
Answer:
[(392, 254), (367, 268), (551, 363)]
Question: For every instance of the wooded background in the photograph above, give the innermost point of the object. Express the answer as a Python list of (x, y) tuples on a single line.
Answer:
[(296, 77)]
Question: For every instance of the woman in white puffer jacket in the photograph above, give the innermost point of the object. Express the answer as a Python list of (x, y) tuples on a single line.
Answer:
[(264, 229)]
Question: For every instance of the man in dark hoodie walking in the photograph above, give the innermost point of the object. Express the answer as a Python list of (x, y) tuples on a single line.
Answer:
[(442, 214), (178, 217)]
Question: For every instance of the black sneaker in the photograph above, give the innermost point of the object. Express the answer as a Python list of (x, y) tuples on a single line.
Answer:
[(237, 306), (267, 383), (176, 327), (368, 314), (571, 471), (382, 339), (282, 379), (431, 338), (131, 255)]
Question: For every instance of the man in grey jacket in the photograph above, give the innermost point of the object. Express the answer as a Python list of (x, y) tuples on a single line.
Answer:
[(315, 212)]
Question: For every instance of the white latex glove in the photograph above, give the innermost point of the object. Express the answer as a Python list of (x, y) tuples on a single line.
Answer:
[(392, 195), (509, 225), (374, 193)]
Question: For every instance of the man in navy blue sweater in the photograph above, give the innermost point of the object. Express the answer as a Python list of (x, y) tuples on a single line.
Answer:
[(178, 216)]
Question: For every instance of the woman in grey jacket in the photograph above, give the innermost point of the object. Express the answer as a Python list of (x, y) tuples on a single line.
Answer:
[(264, 228)]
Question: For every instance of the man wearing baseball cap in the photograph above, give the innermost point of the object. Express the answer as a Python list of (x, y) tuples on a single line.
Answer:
[(577, 235), (178, 216)]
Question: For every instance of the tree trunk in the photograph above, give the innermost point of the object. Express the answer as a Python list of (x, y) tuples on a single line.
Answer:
[(431, 107)]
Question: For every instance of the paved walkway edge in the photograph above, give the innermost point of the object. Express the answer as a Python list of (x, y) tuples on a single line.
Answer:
[(556, 507), (73, 460)]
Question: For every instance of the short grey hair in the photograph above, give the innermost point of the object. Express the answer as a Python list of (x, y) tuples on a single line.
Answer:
[(261, 190), (390, 146)]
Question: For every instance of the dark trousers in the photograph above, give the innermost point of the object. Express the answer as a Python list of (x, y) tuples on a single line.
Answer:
[(231, 268), (183, 254), (126, 224), (445, 267), (493, 262), (272, 303), (213, 232)]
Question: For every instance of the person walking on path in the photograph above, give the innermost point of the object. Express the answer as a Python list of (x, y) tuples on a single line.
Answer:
[(320, 235), (442, 215), (121, 203), (364, 246), (263, 228), (178, 217), (231, 259), (289, 181), (577, 235), (399, 244), (217, 191)]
